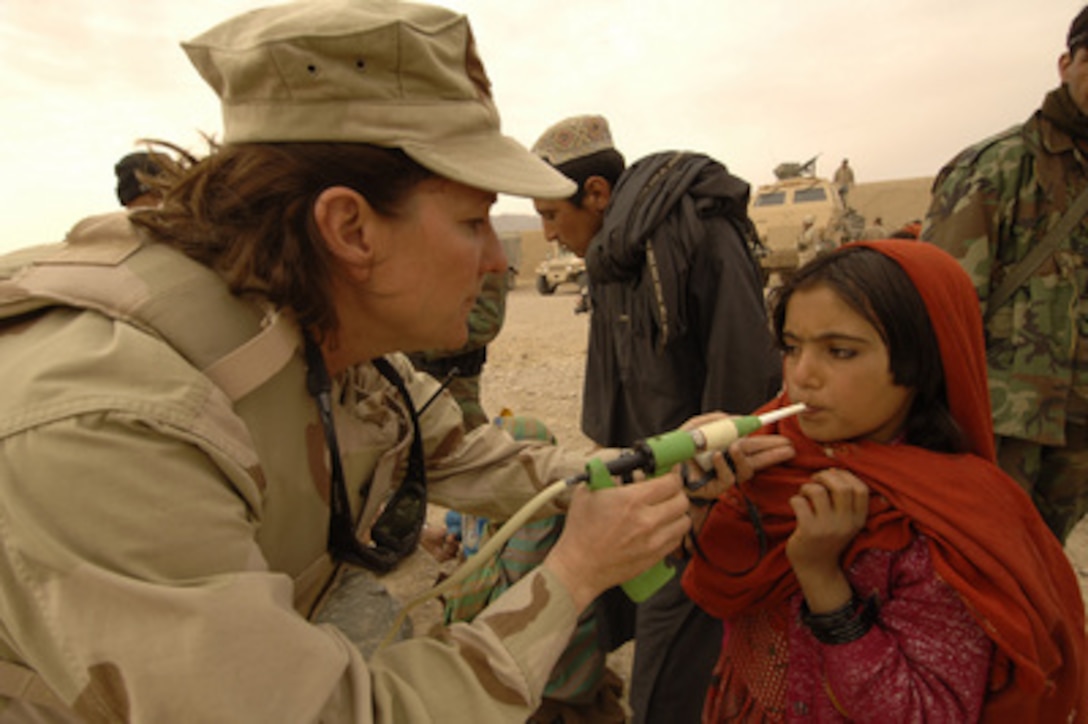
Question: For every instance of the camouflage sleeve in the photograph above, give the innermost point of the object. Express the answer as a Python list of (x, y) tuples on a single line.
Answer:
[(138, 598), (457, 460), (970, 207), (492, 670), (142, 578), (487, 317), (516, 470)]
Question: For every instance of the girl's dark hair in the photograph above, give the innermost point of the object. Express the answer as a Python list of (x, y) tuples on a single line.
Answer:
[(609, 164), (878, 289), (246, 211)]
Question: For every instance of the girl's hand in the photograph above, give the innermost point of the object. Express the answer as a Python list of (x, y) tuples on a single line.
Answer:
[(830, 511), (745, 458)]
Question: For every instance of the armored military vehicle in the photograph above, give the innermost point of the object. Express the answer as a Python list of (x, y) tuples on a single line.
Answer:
[(778, 211), (561, 266)]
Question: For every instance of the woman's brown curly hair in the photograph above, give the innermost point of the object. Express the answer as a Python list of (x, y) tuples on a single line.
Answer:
[(246, 210)]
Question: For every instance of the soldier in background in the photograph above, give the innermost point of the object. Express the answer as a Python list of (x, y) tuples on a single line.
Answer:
[(910, 230), (844, 179), (807, 241), (459, 372), (876, 230), (461, 368), (134, 172), (581, 687), (992, 205)]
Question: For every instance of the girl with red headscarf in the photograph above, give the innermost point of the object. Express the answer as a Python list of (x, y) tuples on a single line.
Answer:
[(889, 571)]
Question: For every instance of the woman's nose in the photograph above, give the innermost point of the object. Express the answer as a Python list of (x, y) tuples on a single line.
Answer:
[(494, 256)]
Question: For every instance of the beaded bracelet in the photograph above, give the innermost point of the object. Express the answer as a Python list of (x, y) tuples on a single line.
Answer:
[(845, 624)]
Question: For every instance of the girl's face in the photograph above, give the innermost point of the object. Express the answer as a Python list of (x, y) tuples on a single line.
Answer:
[(837, 364)]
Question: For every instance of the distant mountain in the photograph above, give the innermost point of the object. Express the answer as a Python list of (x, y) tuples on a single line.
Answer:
[(515, 222)]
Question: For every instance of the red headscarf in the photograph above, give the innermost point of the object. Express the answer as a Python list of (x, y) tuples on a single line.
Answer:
[(985, 537)]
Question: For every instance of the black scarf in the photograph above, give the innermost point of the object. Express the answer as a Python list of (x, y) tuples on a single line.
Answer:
[(1060, 109), (660, 206)]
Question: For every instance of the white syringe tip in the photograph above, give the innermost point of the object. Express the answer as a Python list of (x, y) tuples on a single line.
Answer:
[(782, 413)]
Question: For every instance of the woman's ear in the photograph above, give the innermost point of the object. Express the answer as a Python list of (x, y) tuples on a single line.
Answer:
[(342, 217)]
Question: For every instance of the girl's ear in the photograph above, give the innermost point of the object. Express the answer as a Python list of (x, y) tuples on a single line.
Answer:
[(343, 217)]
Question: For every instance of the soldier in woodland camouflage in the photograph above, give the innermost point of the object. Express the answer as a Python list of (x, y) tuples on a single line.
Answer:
[(992, 205), (464, 366), (581, 687)]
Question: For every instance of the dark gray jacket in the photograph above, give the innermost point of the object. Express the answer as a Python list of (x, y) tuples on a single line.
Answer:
[(678, 325)]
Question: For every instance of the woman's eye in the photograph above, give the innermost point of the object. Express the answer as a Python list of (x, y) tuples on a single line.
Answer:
[(843, 353), (789, 349)]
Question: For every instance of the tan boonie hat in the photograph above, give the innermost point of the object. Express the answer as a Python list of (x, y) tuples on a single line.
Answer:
[(398, 75), (574, 137)]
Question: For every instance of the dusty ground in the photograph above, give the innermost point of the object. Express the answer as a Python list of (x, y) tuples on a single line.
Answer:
[(535, 368)]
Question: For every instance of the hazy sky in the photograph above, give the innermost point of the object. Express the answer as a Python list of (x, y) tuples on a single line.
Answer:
[(898, 86)]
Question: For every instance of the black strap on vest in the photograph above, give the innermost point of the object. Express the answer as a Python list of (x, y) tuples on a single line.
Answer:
[(396, 532), (1042, 251), (466, 364)]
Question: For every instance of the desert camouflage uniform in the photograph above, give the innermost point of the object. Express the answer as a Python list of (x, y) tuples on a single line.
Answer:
[(991, 205), (808, 245), (581, 687), (164, 509), (484, 323)]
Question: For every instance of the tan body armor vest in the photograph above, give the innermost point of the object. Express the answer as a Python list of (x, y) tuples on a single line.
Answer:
[(104, 265)]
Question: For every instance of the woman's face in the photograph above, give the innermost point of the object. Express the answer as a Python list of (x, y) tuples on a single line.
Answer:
[(837, 364), (435, 255)]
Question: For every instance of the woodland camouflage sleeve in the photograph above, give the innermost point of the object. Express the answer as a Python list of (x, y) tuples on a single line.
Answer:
[(486, 318), (966, 210)]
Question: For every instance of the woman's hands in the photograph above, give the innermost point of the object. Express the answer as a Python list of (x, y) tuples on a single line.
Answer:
[(613, 534), (830, 511)]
